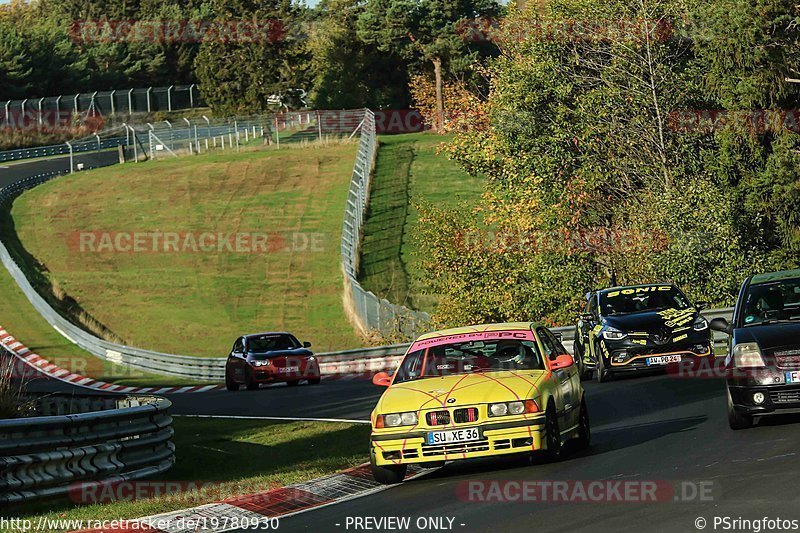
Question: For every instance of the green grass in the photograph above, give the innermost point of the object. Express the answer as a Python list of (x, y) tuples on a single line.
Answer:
[(239, 457), (196, 303), (407, 171), (22, 321)]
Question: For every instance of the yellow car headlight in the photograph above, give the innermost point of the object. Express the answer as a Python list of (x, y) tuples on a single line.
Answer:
[(513, 408), (396, 420)]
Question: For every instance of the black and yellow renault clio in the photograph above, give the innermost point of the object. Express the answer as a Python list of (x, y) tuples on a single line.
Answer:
[(636, 328)]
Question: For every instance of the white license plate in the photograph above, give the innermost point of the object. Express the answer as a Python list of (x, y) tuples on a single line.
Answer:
[(449, 437), (793, 377), (288, 369), (663, 360)]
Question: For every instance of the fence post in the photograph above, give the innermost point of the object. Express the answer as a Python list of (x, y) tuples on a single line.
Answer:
[(111, 99), (169, 97), (149, 107), (208, 128), (171, 137), (135, 142), (277, 132), (40, 112), (130, 102), (191, 96), (99, 144), (7, 111), (77, 103), (196, 140), (319, 124)]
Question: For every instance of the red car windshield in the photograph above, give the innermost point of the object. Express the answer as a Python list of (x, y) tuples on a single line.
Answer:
[(271, 343)]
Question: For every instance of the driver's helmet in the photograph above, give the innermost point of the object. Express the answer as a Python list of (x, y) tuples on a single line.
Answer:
[(511, 351)]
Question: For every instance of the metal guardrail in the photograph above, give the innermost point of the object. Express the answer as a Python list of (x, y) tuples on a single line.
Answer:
[(369, 312), (44, 456)]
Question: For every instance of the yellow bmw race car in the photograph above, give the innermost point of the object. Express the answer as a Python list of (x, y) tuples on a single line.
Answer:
[(477, 391)]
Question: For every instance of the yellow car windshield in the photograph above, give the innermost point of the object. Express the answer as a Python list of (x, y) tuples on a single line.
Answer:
[(470, 357)]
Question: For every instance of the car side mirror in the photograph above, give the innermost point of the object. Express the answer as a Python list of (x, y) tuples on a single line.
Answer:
[(562, 361), (701, 305), (382, 379), (720, 324), (306, 344)]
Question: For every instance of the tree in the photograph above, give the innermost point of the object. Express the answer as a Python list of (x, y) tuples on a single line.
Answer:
[(588, 181), (349, 73), (240, 76), (426, 32), (15, 68)]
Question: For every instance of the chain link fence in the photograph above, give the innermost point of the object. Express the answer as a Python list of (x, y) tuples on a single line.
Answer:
[(370, 313), (43, 111)]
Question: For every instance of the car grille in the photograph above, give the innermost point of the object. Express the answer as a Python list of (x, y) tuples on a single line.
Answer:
[(438, 418), (461, 416), (790, 396), (451, 449), (786, 357)]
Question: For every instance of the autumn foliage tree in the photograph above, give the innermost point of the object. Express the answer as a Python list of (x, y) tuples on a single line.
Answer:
[(589, 181)]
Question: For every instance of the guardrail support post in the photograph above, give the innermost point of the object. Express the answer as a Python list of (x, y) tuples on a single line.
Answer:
[(71, 163)]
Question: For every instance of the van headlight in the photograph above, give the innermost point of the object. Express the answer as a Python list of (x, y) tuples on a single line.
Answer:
[(613, 334), (748, 355)]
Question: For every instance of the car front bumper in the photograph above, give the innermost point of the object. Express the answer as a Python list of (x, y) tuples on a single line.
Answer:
[(629, 357), (778, 399), (497, 438), (273, 375)]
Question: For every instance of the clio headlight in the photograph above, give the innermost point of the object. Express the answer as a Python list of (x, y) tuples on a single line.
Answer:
[(613, 334), (701, 324)]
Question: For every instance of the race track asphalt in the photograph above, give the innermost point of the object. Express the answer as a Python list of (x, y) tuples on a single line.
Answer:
[(657, 428), (15, 171)]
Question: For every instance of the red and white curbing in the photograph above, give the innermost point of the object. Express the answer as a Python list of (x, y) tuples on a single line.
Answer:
[(274, 504), (332, 371), (43, 366)]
